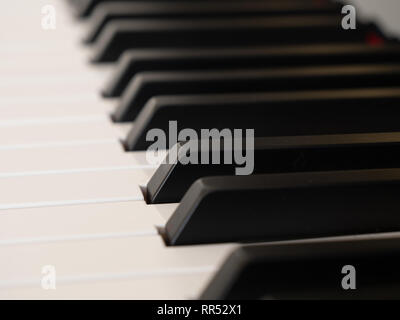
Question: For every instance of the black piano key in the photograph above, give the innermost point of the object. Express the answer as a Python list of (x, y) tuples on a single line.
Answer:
[(199, 10), (310, 270), (147, 85), (136, 61), (273, 114), (277, 155), (85, 8), (274, 207), (122, 35)]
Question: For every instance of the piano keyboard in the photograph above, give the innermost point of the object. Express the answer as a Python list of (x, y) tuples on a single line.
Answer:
[(79, 195)]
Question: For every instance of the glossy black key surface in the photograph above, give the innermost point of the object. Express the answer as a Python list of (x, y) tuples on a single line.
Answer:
[(273, 114), (135, 61), (275, 155), (311, 270), (122, 35), (151, 84), (199, 10), (272, 207)]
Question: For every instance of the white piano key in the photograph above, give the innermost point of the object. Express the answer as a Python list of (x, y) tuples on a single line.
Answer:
[(24, 111), (28, 21), (40, 78), (70, 223), (46, 120), (58, 132), (53, 78), (72, 188), (172, 285), (44, 43), (22, 48), (90, 156), (50, 64), (48, 85), (56, 63), (50, 98), (105, 259)]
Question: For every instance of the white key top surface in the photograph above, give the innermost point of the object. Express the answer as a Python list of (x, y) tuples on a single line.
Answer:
[(93, 128), (104, 220), (72, 188), (78, 261), (24, 111), (90, 156), (177, 285)]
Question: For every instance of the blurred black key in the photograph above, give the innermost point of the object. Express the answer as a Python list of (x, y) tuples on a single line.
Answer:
[(147, 85), (272, 207), (136, 61), (276, 155), (122, 35), (199, 10), (273, 114), (311, 270), (84, 8)]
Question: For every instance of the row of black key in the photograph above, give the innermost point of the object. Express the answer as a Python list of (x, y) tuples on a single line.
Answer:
[(198, 10), (152, 84), (134, 62)]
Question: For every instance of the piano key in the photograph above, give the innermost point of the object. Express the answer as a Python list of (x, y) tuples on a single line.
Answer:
[(276, 155), (72, 189), (107, 155), (272, 114), (44, 59), (60, 132), (19, 111), (122, 35), (33, 86), (39, 41), (85, 8), (273, 207), (151, 84), (40, 62), (80, 222), (134, 61), (106, 259), (36, 80), (172, 285), (109, 11), (41, 98), (311, 270)]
